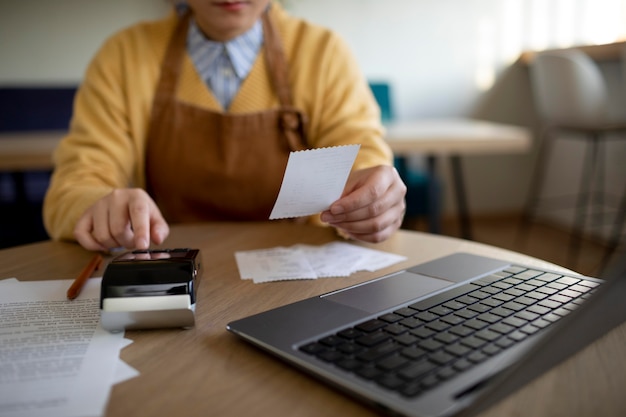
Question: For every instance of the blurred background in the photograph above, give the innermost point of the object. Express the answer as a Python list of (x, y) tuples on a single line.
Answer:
[(444, 58)]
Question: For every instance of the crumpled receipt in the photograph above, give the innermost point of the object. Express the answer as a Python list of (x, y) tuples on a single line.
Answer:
[(335, 259)]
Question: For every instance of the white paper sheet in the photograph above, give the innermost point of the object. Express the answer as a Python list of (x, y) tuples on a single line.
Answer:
[(55, 359), (314, 179)]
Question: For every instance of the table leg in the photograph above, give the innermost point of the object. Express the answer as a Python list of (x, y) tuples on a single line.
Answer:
[(461, 197), (434, 211)]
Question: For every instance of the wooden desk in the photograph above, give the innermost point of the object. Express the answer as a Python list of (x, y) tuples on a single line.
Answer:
[(28, 151), (454, 138), (21, 152), (605, 52), (206, 371)]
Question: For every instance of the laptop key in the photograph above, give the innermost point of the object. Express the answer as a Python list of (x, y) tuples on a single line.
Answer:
[(350, 333), (392, 362), (452, 319), (390, 381), (430, 345), (406, 339), (501, 328), (332, 341), (454, 305), (378, 352), (417, 369), (426, 316), (396, 329), (313, 348), (391, 318), (440, 357), (477, 356), (413, 352), (422, 332), (492, 350), (457, 349), (349, 364), (371, 325), (443, 297), (350, 348), (330, 356), (369, 372), (446, 373), (372, 339), (405, 312), (411, 322), (411, 390), (429, 382)]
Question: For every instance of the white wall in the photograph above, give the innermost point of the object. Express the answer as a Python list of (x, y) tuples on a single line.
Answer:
[(50, 42), (440, 57)]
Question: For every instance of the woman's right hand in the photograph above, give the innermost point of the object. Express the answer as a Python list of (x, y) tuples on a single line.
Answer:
[(126, 217)]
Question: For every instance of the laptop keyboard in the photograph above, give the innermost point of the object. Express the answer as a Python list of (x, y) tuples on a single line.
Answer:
[(417, 347)]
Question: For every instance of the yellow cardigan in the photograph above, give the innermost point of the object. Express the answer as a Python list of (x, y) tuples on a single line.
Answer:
[(105, 146)]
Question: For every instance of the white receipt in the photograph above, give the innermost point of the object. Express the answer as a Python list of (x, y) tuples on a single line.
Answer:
[(274, 265), (334, 259), (313, 180)]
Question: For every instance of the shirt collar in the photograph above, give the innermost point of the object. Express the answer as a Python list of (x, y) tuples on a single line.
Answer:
[(242, 50)]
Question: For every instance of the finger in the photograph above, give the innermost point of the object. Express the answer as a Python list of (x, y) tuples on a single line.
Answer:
[(139, 212), (369, 201), (377, 236), (368, 193), (82, 233), (159, 229), (390, 218), (119, 220), (101, 224)]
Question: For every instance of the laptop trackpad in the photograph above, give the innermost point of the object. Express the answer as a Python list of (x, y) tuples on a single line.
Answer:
[(387, 292)]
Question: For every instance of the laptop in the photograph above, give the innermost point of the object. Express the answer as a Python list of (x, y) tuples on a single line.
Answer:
[(447, 337)]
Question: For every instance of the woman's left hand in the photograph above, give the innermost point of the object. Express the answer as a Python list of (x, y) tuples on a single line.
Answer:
[(372, 206)]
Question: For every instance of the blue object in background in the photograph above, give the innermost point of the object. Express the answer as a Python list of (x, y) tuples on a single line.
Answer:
[(418, 197), (28, 109)]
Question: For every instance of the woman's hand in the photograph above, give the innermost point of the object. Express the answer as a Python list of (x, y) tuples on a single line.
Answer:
[(372, 206), (127, 217)]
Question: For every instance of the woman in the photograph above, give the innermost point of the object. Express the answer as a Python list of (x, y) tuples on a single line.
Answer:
[(192, 118)]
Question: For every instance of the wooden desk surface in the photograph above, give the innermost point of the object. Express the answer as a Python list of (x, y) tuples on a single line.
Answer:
[(26, 151), (461, 136), (604, 52), (206, 371)]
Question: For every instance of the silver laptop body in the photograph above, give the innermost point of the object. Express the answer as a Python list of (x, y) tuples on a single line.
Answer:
[(289, 331)]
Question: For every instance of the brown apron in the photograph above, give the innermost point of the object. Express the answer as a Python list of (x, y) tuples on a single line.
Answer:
[(203, 165)]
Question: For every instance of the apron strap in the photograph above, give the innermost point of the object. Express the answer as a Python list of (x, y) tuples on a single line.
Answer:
[(172, 65), (292, 121)]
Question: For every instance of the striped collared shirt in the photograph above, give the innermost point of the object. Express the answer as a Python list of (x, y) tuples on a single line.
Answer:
[(224, 65)]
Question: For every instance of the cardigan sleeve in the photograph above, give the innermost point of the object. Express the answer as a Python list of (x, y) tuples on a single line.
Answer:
[(101, 150)]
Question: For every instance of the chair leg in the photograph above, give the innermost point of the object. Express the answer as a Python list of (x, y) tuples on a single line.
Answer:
[(616, 234), (461, 197), (434, 216), (536, 183), (584, 197), (598, 191)]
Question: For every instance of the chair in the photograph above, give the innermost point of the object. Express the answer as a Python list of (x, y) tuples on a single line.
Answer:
[(572, 101), (423, 197), (28, 109)]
